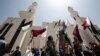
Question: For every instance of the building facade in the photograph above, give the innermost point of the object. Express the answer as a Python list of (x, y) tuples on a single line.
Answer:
[(11, 28), (14, 36)]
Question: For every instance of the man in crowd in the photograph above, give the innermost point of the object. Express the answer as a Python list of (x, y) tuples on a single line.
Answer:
[(17, 52), (50, 47)]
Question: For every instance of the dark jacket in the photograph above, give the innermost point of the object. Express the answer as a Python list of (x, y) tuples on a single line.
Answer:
[(17, 53)]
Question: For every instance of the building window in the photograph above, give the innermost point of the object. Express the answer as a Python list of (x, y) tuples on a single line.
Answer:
[(2, 29), (7, 30)]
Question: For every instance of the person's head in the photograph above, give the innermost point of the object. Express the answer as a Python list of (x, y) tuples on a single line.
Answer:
[(50, 37), (32, 50), (17, 48), (41, 49)]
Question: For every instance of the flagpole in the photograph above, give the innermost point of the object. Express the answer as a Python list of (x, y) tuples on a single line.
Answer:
[(22, 40), (32, 43)]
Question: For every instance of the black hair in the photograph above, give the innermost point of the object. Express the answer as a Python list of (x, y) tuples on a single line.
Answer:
[(50, 37), (17, 47)]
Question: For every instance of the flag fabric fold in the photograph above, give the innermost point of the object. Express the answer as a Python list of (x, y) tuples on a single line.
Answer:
[(28, 23), (44, 34), (58, 23), (86, 23), (26, 26), (77, 34), (36, 32), (64, 25), (94, 29)]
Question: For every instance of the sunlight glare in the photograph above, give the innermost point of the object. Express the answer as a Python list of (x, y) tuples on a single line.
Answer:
[(56, 3)]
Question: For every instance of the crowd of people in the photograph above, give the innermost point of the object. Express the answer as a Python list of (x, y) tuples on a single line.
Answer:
[(77, 49)]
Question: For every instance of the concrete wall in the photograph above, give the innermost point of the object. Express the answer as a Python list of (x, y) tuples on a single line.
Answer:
[(29, 16)]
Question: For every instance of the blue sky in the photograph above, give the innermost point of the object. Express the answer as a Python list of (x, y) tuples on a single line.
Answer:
[(51, 10)]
